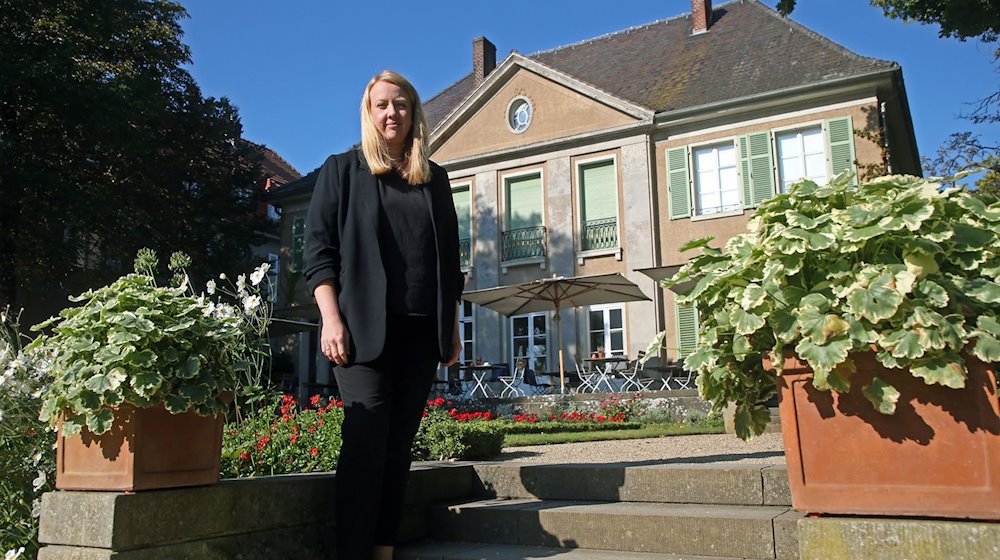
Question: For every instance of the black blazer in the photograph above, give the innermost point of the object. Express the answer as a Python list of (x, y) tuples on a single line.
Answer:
[(342, 244)]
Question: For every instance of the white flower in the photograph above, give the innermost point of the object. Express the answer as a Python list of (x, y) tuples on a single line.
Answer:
[(13, 554), (39, 481), (251, 303), (209, 309), (1, 415), (37, 393), (36, 507), (259, 273), (241, 283), (210, 287), (222, 276), (36, 458)]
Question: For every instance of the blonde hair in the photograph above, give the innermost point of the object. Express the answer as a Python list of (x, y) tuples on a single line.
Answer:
[(415, 167)]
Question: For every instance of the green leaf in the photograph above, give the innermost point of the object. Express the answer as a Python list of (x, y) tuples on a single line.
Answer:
[(196, 393), (189, 369), (983, 290), (146, 382), (750, 420), (120, 338), (741, 347), (932, 292), (100, 421), (877, 301), (824, 357), (810, 322), (987, 347), (141, 358), (969, 238), (938, 369), (747, 323), (902, 344), (72, 425), (99, 384), (176, 404), (920, 264), (882, 395)]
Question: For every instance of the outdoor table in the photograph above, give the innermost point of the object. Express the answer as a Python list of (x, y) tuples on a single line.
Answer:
[(670, 372), (480, 377), (604, 368)]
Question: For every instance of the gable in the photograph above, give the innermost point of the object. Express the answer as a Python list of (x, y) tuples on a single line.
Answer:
[(558, 112)]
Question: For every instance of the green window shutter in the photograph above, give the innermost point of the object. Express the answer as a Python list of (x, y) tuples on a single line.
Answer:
[(678, 184), (298, 242), (597, 188), (756, 168), (463, 209), (840, 137), (687, 329), (524, 202)]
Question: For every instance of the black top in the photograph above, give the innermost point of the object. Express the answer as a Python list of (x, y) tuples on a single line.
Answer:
[(406, 237)]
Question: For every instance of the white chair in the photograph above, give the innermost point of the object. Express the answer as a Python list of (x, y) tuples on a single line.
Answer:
[(512, 382), (587, 378), (632, 376)]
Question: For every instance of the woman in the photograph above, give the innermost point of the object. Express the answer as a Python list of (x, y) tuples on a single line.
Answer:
[(381, 259)]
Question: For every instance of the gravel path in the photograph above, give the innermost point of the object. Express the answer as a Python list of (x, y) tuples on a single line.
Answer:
[(711, 448)]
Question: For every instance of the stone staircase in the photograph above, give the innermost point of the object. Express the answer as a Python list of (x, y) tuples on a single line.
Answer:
[(613, 511)]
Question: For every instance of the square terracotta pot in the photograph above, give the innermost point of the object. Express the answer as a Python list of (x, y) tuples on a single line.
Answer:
[(146, 448), (937, 456)]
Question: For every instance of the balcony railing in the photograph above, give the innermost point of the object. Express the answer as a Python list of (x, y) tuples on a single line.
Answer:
[(522, 243), (600, 234), (465, 252)]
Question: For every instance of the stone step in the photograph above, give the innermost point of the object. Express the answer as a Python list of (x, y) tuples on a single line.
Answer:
[(765, 532), (432, 550), (736, 484)]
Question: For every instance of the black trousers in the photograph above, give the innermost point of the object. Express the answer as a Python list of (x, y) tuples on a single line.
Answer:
[(383, 404)]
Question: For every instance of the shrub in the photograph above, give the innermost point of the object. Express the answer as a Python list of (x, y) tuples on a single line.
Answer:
[(284, 438), (447, 433), (26, 458)]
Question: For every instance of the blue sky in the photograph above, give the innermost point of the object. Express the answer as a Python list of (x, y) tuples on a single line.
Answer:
[(296, 69)]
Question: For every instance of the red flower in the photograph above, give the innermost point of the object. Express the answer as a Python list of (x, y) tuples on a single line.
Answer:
[(314, 400), (244, 455), (294, 437), (262, 442), (314, 451), (311, 428)]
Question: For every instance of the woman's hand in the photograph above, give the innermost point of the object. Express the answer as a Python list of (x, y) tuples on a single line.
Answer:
[(335, 341), (456, 348)]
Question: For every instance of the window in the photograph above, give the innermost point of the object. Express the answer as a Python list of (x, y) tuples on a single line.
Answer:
[(273, 212), (716, 181), (607, 329), (529, 341), (801, 154), (272, 277), (519, 113), (466, 331), (524, 236), (687, 329), (298, 242), (598, 205), (463, 208)]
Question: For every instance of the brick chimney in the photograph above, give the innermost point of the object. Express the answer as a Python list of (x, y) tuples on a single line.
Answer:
[(484, 58), (701, 16)]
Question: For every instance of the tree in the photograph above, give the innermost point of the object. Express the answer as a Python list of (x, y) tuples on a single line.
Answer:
[(961, 19), (107, 146)]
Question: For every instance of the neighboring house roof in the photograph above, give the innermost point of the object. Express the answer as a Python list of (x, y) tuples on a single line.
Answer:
[(749, 49), (274, 166)]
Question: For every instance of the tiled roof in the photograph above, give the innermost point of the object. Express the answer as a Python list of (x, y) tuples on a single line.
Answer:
[(277, 168), (749, 49)]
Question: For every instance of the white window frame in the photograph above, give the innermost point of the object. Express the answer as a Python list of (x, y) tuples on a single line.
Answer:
[(606, 309), (467, 318), (776, 155), (273, 276), (530, 354), (580, 200), (693, 177)]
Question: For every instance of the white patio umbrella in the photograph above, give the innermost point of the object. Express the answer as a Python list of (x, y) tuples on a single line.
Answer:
[(551, 294)]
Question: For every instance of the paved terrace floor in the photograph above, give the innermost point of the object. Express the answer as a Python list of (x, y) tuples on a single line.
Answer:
[(710, 448)]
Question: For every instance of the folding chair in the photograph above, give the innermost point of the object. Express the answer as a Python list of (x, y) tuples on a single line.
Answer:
[(587, 378), (631, 375), (511, 383)]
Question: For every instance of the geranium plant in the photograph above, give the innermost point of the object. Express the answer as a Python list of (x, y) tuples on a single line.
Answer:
[(898, 265), (140, 343)]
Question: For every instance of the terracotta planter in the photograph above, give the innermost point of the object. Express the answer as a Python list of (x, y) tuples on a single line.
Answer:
[(937, 456), (146, 448)]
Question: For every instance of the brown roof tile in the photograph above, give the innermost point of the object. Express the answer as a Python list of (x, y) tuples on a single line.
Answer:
[(748, 50)]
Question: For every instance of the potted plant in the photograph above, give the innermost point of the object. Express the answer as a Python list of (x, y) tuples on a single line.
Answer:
[(873, 310), (140, 375)]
